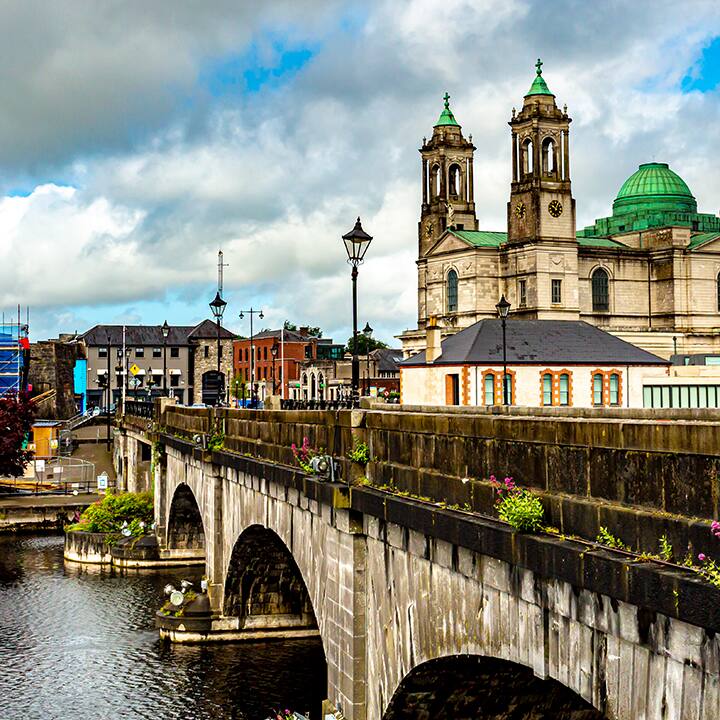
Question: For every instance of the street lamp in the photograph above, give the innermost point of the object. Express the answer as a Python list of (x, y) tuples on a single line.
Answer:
[(259, 313), (274, 353), (367, 332), (165, 329), (357, 241), (503, 308), (218, 306)]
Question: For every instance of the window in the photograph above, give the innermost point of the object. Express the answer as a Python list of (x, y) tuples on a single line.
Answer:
[(139, 352), (522, 292), (600, 294), (556, 291), (597, 389), (489, 389), (508, 391), (174, 352), (454, 181), (174, 381), (102, 352), (207, 351), (548, 156), (452, 291), (614, 389), (265, 353), (547, 389), (681, 396), (526, 157), (564, 389), (157, 352)]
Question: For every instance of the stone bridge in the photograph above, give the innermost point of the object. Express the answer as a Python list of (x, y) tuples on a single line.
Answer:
[(426, 605)]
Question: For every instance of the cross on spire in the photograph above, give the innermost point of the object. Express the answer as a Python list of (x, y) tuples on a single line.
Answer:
[(539, 65), (446, 98)]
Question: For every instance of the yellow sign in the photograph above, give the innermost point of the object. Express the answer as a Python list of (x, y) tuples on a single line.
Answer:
[(134, 369)]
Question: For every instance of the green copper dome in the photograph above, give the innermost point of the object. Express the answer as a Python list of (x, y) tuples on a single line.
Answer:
[(539, 86), (446, 116), (654, 188)]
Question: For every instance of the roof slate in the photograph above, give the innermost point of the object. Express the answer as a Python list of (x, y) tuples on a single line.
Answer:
[(532, 342), (145, 335), (697, 240)]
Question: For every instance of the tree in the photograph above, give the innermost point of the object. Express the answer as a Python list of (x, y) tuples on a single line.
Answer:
[(365, 344), (16, 418), (312, 331)]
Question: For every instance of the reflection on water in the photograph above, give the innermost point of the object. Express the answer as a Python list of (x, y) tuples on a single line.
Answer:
[(80, 643)]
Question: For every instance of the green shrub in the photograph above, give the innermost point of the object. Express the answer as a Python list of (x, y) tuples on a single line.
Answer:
[(518, 507), (110, 513), (360, 454), (605, 537)]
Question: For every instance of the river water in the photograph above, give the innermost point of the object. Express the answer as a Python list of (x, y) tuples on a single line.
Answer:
[(80, 644)]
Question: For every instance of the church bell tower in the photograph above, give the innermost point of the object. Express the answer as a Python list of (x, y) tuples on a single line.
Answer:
[(540, 257), (447, 181), (541, 203)]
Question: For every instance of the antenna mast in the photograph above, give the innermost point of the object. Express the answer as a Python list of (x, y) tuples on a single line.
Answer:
[(221, 265)]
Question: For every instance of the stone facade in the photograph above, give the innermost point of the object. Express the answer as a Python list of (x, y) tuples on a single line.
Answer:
[(656, 262), (205, 352), (51, 368)]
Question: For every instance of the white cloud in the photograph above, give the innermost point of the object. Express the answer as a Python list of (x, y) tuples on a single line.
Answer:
[(164, 173)]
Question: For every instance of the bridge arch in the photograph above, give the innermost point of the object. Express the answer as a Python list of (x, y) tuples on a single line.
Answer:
[(185, 528), (475, 687), (264, 587)]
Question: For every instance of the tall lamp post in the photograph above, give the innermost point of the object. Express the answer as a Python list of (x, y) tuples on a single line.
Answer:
[(367, 332), (218, 306), (274, 353), (165, 329), (503, 308), (357, 241), (259, 313)]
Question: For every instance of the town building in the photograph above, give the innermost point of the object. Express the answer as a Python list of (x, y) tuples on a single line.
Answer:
[(550, 363), (649, 272), (278, 354), (182, 365)]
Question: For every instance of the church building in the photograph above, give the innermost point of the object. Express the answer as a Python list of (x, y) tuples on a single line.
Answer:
[(649, 273)]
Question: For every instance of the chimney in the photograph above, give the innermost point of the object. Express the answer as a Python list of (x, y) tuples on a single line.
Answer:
[(433, 347)]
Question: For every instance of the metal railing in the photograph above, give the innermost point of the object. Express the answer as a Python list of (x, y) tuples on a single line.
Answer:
[(347, 404), (139, 408), (56, 476)]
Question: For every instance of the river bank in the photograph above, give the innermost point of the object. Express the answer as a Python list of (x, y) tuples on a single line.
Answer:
[(40, 513)]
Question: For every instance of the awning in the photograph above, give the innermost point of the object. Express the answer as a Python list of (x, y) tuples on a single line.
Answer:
[(175, 371), (155, 371)]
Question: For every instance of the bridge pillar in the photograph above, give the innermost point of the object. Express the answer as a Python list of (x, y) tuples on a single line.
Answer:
[(160, 500), (215, 543)]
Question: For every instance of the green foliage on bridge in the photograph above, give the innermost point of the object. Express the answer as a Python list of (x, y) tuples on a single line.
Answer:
[(133, 511)]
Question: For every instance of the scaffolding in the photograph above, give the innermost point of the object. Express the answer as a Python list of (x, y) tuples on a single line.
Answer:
[(14, 351)]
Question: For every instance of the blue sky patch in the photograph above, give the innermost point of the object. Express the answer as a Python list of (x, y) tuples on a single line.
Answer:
[(704, 75)]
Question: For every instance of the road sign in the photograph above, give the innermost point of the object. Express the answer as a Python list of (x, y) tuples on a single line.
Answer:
[(102, 481), (39, 466), (134, 382), (134, 369)]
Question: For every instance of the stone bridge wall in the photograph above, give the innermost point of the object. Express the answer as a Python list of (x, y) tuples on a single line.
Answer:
[(639, 477)]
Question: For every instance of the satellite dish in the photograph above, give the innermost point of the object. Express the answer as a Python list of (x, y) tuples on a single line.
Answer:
[(177, 598)]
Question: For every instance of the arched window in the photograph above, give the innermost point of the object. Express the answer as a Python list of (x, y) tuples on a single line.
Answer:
[(548, 156), (614, 389), (304, 379), (564, 389), (489, 389), (547, 389), (600, 291), (527, 157), (452, 291), (454, 180), (321, 386), (435, 181), (508, 390), (597, 389)]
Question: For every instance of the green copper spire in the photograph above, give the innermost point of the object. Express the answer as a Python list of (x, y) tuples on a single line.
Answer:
[(539, 86), (446, 116)]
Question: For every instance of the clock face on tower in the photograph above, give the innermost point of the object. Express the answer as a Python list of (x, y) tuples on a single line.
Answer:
[(520, 210), (555, 208)]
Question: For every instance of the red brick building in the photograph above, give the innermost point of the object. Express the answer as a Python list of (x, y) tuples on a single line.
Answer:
[(292, 347)]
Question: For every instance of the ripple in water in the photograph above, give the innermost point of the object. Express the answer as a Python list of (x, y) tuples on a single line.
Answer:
[(79, 642)]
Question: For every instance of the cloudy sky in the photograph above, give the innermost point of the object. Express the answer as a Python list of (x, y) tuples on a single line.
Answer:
[(136, 138)]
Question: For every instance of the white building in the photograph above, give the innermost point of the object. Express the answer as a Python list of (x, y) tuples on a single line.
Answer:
[(549, 363)]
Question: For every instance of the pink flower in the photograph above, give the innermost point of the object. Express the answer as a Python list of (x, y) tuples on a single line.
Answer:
[(702, 557), (715, 525), (509, 483)]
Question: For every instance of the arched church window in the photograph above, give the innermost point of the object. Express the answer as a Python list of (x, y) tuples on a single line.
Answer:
[(548, 156), (527, 157), (435, 181), (452, 291), (454, 180), (600, 291)]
